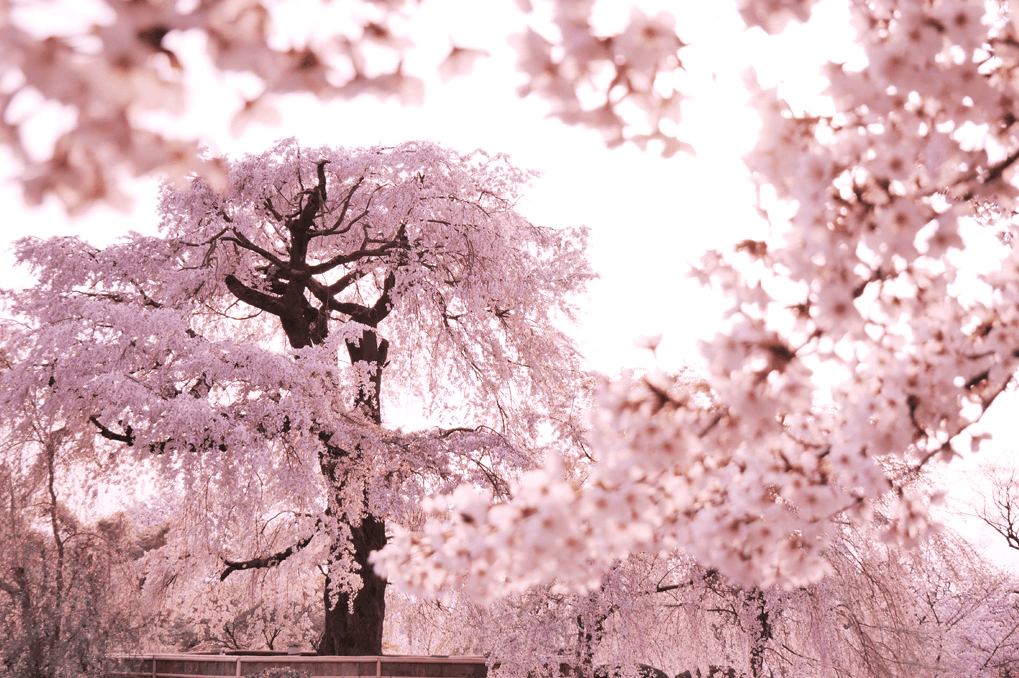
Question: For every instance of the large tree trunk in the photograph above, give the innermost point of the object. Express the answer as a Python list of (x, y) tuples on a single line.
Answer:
[(353, 622), (354, 627), (357, 630)]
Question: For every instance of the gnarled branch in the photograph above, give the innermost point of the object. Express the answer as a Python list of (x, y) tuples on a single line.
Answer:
[(252, 297)]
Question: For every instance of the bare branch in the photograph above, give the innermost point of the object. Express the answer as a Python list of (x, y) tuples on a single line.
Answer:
[(126, 437), (268, 561)]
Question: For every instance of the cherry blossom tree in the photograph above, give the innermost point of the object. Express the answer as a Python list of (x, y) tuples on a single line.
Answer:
[(241, 359), (68, 589), (856, 335)]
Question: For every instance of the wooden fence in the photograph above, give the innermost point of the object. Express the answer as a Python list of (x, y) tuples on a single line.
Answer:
[(188, 665)]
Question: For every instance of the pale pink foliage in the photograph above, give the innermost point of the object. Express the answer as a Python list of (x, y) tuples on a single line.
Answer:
[(747, 472), (142, 343), (121, 64), (884, 610)]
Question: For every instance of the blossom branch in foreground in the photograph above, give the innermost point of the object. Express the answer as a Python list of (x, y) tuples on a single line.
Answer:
[(129, 59), (747, 474)]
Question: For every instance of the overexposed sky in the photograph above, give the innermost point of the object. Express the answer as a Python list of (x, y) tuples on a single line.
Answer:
[(649, 217)]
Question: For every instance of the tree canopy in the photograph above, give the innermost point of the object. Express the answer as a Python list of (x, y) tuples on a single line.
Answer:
[(239, 356)]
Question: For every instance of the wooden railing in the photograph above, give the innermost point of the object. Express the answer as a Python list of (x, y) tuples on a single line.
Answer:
[(187, 665)]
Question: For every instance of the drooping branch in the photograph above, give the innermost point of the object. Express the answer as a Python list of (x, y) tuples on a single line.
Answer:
[(665, 588), (266, 561), (242, 240), (384, 304), (267, 203), (359, 313), (335, 228)]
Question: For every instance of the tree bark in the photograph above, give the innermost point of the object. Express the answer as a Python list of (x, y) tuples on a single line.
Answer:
[(353, 622), (761, 635), (356, 630)]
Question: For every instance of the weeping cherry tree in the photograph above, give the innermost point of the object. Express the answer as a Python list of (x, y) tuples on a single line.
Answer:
[(244, 357)]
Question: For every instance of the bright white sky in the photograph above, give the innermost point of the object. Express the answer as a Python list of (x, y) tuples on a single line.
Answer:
[(649, 217)]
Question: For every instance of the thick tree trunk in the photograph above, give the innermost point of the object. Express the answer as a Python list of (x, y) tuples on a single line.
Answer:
[(354, 627), (353, 622), (357, 630)]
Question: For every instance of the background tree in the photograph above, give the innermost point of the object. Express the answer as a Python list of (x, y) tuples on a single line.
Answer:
[(210, 355), (69, 591)]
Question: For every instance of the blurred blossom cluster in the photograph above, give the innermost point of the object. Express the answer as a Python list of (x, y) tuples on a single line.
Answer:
[(598, 81), (747, 468), (112, 71), (123, 62)]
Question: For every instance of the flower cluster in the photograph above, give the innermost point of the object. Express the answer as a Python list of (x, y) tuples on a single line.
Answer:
[(131, 59), (597, 81), (861, 285)]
